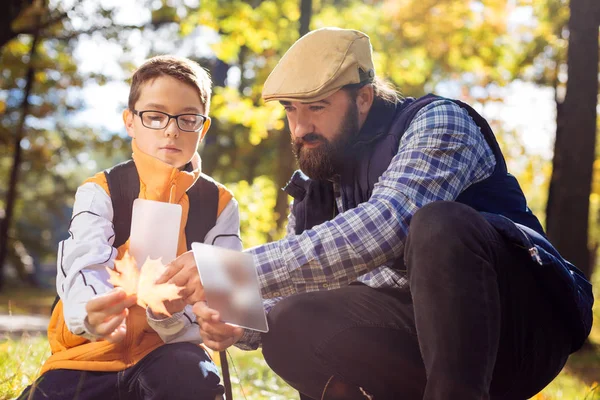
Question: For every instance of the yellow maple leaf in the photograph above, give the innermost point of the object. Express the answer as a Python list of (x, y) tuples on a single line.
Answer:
[(152, 295), (142, 282), (125, 274)]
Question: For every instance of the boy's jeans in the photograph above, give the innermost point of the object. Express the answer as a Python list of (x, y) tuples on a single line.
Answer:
[(173, 371)]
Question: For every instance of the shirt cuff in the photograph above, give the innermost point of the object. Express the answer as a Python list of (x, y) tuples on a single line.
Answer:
[(167, 326), (250, 340)]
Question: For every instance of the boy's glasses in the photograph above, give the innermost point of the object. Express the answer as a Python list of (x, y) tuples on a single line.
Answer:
[(160, 120)]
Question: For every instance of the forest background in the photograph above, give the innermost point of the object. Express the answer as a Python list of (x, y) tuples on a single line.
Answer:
[(529, 66)]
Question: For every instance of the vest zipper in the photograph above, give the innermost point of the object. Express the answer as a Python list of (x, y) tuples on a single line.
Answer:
[(533, 251)]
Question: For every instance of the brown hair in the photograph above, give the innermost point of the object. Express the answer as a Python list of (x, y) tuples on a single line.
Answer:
[(182, 69), (383, 91)]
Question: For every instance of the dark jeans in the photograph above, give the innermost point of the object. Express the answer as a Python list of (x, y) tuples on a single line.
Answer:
[(173, 371), (475, 325)]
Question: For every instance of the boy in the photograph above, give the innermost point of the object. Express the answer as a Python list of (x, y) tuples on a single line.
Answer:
[(103, 345)]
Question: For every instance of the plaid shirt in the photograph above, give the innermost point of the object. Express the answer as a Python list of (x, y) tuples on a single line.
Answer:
[(441, 154)]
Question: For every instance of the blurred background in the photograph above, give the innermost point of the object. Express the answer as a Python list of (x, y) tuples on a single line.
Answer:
[(529, 66)]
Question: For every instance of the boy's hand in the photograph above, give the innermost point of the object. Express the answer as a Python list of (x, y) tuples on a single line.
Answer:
[(216, 335), (172, 306), (106, 314), (183, 272)]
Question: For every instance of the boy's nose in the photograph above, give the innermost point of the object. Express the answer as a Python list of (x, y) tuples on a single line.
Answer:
[(172, 129)]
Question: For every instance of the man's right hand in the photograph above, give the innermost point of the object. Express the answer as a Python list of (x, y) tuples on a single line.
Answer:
[(106, 314), (216, 335)]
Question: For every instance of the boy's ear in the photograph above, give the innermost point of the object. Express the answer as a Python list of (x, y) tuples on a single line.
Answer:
[(128, 121), (205, 128)]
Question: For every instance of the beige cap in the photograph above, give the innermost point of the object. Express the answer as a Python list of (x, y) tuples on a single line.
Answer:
[(319, 64)]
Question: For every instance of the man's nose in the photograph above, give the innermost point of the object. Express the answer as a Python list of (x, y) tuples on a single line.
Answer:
[(172, 129), (302, 128)]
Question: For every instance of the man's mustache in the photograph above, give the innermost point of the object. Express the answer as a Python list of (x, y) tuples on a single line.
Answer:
[(309, 138)]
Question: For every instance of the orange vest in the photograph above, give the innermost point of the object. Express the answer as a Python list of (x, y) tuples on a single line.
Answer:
[(159, 182)]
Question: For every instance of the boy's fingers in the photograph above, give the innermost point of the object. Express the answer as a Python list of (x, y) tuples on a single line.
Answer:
[(175, 266), (171, 270), (193, 297), (106, 328), (104, 300), (118, 334)]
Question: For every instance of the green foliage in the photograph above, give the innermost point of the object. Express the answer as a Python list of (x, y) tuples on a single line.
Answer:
[(20, 363), (258, 222), (57, 154), (252, 379)]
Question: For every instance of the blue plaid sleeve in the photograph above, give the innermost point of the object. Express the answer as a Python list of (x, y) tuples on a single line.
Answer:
[(440, 155)]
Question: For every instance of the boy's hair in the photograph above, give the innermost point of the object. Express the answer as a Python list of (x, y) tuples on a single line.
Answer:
[(180, 68)]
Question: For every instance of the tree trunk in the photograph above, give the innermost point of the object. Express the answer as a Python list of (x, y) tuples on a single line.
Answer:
[(574, 149), (14, 173), (286, 159)]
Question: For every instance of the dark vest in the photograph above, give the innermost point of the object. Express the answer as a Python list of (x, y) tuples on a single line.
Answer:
[(378, 142), (499, 198)]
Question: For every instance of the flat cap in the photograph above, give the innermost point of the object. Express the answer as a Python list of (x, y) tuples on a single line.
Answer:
[(319, 64)]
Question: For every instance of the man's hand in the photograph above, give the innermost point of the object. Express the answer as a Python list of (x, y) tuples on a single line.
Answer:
[(183, 272), (216, 335), (106, 314)]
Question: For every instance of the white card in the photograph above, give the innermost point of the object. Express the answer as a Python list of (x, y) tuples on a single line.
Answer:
[(154, 230), (231, 286)]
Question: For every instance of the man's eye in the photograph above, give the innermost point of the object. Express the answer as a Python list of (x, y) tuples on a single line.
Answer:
[(316, 108), (288, 108)]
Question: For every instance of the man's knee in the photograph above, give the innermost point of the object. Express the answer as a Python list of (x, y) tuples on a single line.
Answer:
[(290, 323), (440, 231), (435, 222)]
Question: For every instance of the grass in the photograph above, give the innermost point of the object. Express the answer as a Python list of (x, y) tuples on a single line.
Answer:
[(21, 359)]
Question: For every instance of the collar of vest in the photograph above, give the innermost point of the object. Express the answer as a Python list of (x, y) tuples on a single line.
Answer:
[(379, 119), (160, 181)]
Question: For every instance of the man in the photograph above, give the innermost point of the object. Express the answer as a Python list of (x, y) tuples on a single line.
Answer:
[(412, 268)]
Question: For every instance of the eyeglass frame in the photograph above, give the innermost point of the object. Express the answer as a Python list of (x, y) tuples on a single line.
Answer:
[(176, 117)]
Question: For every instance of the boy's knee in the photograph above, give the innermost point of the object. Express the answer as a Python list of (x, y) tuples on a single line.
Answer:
[(181, 371)]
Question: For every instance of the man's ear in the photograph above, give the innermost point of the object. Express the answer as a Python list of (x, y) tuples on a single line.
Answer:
[(128, 121), (364, 100)]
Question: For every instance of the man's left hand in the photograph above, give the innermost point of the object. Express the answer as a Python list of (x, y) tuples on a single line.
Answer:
[(216, 335), (183, 272)]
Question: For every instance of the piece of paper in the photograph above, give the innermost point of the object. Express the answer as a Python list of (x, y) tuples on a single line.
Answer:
[(154, 230), (231, 286)]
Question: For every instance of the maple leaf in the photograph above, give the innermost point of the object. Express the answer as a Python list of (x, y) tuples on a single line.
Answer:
[(125, 274), (151, 294), (142, 282)]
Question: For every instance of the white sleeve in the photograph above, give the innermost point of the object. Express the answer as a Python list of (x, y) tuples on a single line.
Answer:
[(226, 232), (85, 254), (182, 326)]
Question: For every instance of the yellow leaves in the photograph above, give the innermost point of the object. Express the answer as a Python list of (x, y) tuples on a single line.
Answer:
[(151, 294), (141, 282), (257, 219), (231, 106), (125, 274)]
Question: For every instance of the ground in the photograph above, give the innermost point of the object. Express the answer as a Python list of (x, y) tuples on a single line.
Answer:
[(22, 353)]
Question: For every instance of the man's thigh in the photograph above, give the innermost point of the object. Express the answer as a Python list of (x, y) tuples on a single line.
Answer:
[(363, 336)]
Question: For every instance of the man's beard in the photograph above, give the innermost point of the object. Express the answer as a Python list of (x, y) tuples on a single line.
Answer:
[(327, 159)]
